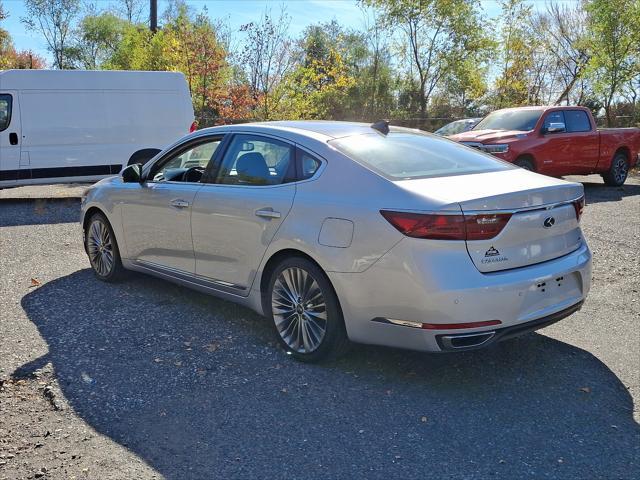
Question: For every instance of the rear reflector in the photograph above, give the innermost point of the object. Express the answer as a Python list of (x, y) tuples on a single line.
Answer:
[(579, 206), (447, 227), (438, 326), (456, 326)]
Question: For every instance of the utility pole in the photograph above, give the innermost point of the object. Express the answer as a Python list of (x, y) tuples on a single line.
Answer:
[(153, 15)]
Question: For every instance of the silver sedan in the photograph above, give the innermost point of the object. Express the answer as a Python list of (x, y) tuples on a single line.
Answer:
[(341, 232)]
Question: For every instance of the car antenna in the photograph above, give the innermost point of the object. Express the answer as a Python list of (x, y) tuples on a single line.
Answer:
[(382, 126)]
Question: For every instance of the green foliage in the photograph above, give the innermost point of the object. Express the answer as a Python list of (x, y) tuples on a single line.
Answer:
[(414, 59), (54, 20), (614, 42), (443, 36), (98, 38), (518, 47)]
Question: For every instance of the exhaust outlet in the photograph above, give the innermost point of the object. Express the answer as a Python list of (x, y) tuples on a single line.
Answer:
[(459, 342)]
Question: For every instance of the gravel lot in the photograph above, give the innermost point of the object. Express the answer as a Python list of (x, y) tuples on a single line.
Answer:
[(145, 379)]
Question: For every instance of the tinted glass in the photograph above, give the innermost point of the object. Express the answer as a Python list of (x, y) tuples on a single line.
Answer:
[(5, 111), (255, 160), (308, 165), (553, 117), (523, 120), (452, 128), (198, 156), (406, 155), (577, 121)]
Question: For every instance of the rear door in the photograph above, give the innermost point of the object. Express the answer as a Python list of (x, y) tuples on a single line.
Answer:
[(10, 138), (235, 218), (585, 142)]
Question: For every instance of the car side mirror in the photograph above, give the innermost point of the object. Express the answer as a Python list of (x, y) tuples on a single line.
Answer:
[(555, 127), (132, 174)]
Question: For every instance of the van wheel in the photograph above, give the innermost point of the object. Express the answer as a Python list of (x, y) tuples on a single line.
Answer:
[(618, 171), (526, 164), (305, 312), (102, 248)]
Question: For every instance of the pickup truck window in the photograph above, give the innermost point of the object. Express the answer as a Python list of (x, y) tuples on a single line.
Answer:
[(577, 121), (523, 120), (553, 117)]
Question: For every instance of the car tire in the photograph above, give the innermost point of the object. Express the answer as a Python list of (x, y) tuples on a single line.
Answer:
[(304, 311), (102, 249), (526, 164), (618, 171)]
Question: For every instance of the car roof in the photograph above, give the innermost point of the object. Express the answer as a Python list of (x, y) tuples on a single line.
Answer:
[(319, 129)]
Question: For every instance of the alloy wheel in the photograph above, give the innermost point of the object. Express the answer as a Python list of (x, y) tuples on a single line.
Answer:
[(299, 310), (100, 248), (621, 170)]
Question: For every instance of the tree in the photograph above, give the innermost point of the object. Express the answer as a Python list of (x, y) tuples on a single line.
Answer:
[(10, 57), (53, 19), (98, 37), (517, 49), (317, 88), (200, 55), (266, 57), (562, 30), (131, 10), (614, 42), (440, 34)]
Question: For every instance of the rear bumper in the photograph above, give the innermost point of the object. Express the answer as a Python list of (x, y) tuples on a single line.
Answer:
[(438, 284), (448, 342)]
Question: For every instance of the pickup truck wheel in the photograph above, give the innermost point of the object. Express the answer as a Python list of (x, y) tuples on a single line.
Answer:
[(618, 171), (526, 164)]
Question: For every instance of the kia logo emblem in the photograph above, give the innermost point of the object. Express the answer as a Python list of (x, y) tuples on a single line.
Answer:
[(549, 222)]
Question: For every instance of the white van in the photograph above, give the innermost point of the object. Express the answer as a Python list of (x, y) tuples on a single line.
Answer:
[(61, 126)]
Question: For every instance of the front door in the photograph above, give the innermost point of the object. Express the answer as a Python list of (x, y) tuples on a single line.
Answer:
[(235, 218), (557, 150), (10, 138), (156, 215)]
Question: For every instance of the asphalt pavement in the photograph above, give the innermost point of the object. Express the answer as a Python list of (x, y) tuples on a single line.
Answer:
[(144, 379)]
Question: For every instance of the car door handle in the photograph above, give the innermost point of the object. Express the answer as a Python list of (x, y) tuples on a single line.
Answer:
[(179, 203), (267, 213)]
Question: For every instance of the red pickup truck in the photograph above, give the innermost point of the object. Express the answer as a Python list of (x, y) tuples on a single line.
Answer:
[(556, 141)]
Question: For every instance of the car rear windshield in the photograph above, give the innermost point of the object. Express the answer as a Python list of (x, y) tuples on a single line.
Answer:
[(523, 120), (403, 155)]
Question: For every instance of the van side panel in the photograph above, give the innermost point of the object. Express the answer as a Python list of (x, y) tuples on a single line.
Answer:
[(83, 125)]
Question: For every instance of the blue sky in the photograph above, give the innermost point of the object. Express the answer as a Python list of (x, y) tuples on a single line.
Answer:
[(238, 12)]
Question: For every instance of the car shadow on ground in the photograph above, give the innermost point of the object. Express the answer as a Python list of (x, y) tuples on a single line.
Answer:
[(599, 192), (38, 211), (197, 388)]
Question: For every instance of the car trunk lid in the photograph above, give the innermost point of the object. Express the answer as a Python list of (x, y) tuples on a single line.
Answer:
[(543, 224)]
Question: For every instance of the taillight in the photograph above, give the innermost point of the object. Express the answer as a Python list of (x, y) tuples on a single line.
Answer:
[(447, 227), (579, 206), (422, 225), (193, 127), (485, 226)]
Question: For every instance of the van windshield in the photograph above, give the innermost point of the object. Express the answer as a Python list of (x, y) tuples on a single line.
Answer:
[(404, 155)]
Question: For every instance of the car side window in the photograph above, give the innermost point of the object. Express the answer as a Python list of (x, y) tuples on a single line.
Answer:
[(256, 160), (553, 117), (577, 121), (186, 165), (5, 111), (308, 165)]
